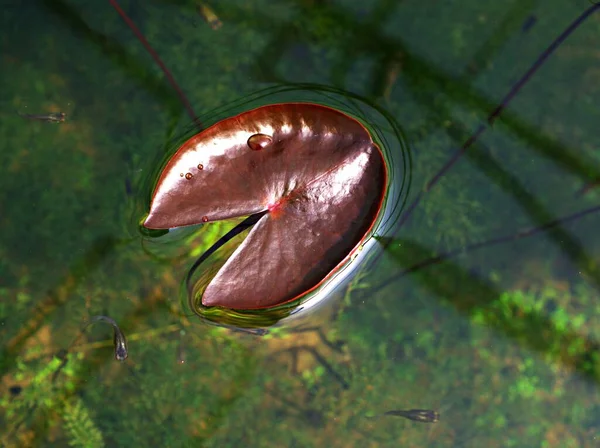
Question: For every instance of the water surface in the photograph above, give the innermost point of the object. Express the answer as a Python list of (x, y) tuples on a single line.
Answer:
[(502, 341)]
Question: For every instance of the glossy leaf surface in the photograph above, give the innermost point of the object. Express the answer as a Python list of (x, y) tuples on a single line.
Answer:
[(317, 172)]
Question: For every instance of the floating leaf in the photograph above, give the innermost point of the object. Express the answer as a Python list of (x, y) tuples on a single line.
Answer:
[(315, 171)]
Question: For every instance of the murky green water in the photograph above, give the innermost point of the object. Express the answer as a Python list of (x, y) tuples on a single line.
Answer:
[(502, 340)]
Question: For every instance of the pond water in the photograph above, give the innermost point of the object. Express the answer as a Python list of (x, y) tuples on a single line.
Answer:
[(501, 338)]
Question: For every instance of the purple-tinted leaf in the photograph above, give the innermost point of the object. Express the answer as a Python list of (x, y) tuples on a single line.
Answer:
[(315, 170)]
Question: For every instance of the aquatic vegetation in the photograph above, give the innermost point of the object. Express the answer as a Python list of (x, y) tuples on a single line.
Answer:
[(43, 393), (571, 335), (459, 212), (79, 426)]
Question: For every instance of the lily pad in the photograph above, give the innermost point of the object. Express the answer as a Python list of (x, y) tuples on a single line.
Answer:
[(315, 171)]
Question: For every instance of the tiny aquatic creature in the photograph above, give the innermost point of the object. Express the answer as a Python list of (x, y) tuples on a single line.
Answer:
[(311, 180), (491, 118), (53, 117), (119, 338), (120, 355), (418, 415), (209, 16)]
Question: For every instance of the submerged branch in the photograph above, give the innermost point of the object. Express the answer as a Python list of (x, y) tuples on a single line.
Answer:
[(158, 60)]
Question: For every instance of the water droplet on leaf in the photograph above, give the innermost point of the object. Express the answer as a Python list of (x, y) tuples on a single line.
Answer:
[(257, 142), (188, 176), (200, 166), (205, 219)]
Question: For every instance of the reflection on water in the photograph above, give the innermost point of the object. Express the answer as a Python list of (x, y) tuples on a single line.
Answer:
[(505, 335)]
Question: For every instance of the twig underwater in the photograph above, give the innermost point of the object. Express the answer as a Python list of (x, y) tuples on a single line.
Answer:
[(491, 118), (119, 340)]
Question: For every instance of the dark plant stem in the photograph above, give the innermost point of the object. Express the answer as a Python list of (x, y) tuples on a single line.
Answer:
[(327, 366), (503, 104), (158, 60), (245, 224), (321, 360), (491, 242)]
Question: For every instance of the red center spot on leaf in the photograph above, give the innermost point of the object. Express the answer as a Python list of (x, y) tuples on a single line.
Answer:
[(320, 177)]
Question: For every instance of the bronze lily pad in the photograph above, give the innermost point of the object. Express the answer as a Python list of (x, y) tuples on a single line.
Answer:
[(315, 171)]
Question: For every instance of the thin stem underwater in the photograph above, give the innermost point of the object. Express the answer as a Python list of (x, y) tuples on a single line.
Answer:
[(486, 243), (498, 110), (158, 60)]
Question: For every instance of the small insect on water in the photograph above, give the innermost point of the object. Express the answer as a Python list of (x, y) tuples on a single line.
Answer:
[(53, 117)]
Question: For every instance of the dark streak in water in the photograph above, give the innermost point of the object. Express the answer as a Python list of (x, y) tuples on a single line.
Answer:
[(128, 186), (528, 23)]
